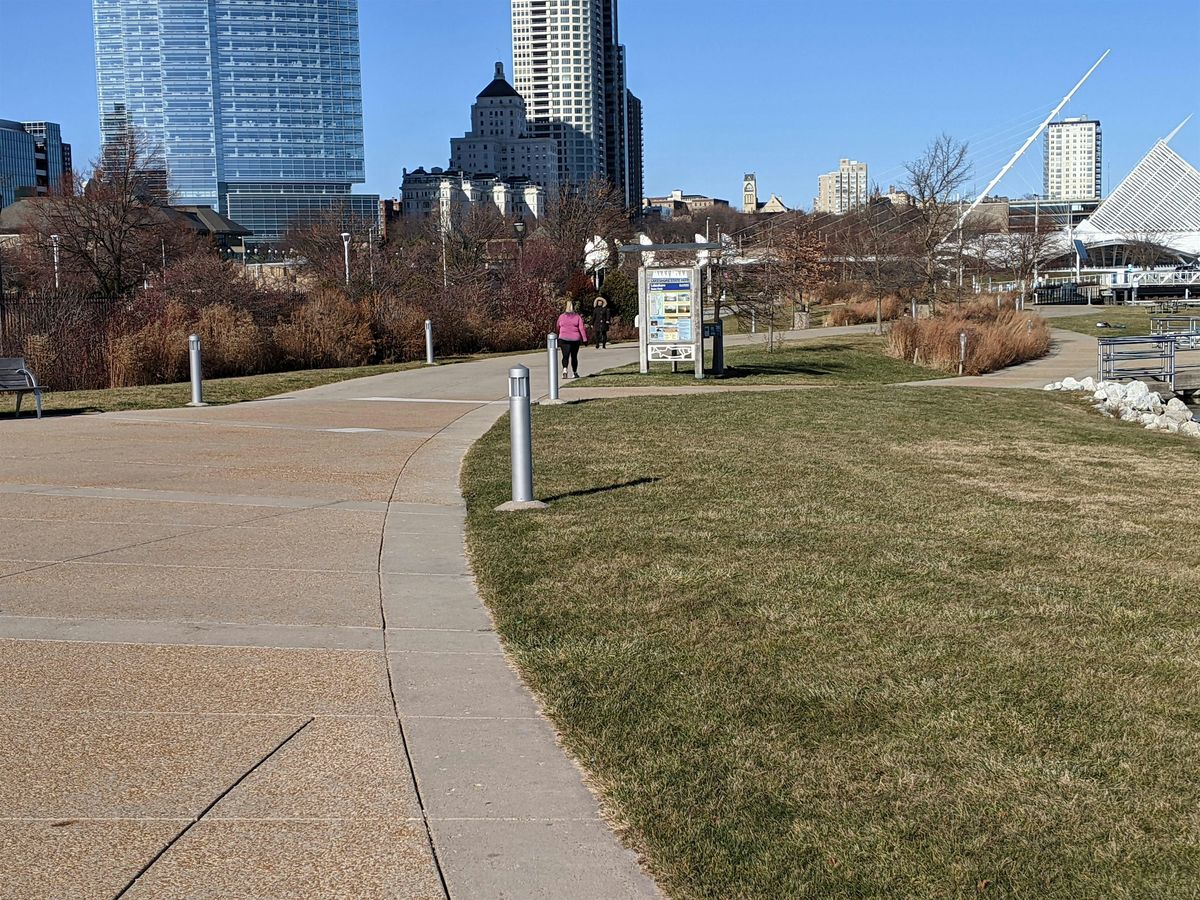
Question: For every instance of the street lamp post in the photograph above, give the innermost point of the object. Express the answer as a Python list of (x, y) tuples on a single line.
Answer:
[(371, 254), (519, 227), (54, 239), (346, 249)]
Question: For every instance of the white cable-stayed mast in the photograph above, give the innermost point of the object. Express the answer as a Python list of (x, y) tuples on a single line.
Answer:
[(1025, 146)]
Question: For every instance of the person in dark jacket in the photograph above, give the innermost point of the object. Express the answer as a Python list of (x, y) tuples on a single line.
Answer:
[(601, 317)]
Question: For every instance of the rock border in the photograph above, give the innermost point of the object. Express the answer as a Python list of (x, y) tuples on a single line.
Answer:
[(1134, 402)]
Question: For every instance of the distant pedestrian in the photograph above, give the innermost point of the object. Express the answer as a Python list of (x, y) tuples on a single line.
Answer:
[(601, 317), (571, 333)]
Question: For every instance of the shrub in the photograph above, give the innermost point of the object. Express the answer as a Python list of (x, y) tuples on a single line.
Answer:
[(327, 330), (398, 327), (231, 341), (149, 345), (1004, 339), (861, 312), (840, 291)]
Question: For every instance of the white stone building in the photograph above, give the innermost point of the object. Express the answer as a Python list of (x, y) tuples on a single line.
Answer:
[(500, 143), (451, 194), (1071, 160)]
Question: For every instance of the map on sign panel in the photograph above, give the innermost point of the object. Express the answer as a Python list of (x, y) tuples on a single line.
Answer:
[(670, 298)]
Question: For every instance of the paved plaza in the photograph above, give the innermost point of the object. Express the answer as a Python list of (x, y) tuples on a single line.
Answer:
[(212, 622), (241, 654)]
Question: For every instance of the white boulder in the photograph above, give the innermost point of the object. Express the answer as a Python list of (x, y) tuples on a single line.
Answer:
[(1070, 384), (1177, 411), (1088, 384), (1191, 429), (1137, 396)]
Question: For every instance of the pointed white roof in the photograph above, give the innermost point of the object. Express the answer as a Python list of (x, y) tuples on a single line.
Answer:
[(1162, 193)]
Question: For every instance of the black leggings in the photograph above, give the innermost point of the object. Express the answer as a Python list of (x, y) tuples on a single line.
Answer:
[(570, 354)]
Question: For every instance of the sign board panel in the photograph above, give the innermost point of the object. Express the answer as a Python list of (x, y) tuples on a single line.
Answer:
[(670, 302)]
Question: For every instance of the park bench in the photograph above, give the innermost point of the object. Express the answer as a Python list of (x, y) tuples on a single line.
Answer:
[(16, 379)]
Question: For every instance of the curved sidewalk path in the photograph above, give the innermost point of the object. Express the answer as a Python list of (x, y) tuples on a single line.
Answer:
[(241, 654)]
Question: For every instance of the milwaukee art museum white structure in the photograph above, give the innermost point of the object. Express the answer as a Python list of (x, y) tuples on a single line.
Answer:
[(1158, 203)]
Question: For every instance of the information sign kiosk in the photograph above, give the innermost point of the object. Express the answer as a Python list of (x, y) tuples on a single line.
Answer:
[(671, 309)]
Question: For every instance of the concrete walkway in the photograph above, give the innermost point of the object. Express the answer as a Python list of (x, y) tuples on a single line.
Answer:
[(241, 654)]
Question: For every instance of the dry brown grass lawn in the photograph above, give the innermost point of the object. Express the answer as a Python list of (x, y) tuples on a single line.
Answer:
[(932, 643)]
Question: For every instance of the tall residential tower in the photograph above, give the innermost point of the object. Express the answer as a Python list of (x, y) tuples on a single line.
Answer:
[(841, 191), (1071, 161), (256, 105), (569, 65)]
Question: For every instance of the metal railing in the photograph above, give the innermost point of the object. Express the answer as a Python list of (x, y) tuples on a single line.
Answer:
[(1186, 329), (1170, 359)]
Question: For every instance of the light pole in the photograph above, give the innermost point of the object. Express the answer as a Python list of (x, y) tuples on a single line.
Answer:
[(346, 249), (371, 254), (519, 227), (54, 242)]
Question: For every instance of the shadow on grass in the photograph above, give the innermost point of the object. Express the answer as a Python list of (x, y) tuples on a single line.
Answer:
[(606, 489)]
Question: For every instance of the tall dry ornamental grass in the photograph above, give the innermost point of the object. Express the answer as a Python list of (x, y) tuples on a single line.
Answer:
[(995, 339), (860, 312)]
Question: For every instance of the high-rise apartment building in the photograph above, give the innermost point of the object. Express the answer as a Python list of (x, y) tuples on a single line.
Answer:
[(256, 105), (842, 190), (499, 142), (1071, 160), (637, 179), (569, 66), (33, 159)]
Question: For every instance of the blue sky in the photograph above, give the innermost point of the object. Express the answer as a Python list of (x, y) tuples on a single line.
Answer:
[(783, 88)]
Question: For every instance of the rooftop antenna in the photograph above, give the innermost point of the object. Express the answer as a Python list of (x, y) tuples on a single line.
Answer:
[(1025, 146)]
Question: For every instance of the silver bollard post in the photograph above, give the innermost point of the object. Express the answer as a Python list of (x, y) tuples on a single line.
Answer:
[(521, 439), (552, 370), (962, 351), (428, 342), (194, 369)]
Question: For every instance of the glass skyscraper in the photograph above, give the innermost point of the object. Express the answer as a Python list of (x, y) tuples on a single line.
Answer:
[(255, 104), (34, 161)]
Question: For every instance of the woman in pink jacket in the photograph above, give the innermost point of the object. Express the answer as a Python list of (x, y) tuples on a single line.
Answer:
[(571, 333)]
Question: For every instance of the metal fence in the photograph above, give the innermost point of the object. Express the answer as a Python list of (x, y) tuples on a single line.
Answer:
[(1170, 360)]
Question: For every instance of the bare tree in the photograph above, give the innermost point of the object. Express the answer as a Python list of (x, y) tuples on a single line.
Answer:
[(791, 258), (578, 214), (1020, 252), (112, 231), (875, 243), (933, 180)]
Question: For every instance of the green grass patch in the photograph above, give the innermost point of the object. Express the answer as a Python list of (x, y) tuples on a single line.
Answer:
[(856, 360), (1125, 319), (217, 391), (936, 642)]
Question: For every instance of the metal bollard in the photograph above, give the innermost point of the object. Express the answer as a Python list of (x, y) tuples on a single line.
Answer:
[(194, 369), (428, 343), (914, 309), (962, 351), (552, 369), (753, 322), (521, 439)]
